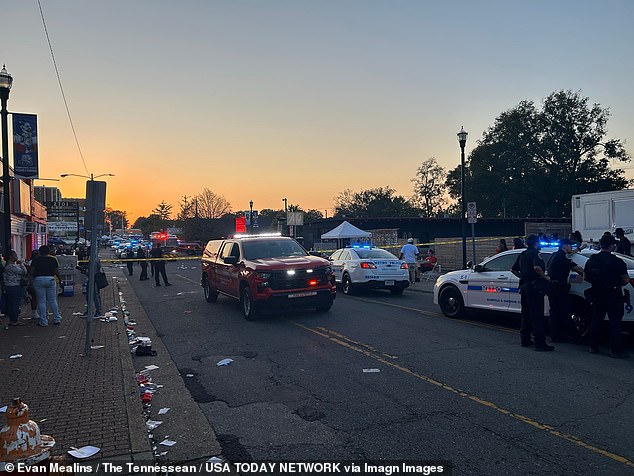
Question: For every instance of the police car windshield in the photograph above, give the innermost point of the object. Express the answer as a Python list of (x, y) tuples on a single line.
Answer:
[(366, 253), (262, 249)]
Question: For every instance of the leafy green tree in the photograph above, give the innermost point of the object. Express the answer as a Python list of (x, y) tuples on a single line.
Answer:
[(531, 161), (430, 189), (375, 202)]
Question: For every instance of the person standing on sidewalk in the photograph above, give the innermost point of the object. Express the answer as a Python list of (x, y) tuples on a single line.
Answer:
[(31, 290), (159, 265), (44, 269), (409, 253), (14, 274)]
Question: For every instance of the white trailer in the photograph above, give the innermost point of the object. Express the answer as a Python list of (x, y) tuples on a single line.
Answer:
[(595, 213)]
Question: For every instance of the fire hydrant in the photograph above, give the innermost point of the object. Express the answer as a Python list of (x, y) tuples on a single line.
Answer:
[(20, 439)]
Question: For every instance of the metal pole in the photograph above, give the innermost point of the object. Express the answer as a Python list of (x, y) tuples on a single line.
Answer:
[(473, 242), (92, 265), (6, 236), (251, 217), (463, 206)]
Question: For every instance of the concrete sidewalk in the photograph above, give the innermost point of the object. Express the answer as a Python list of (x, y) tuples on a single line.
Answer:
[(78, 400), (95, 400)]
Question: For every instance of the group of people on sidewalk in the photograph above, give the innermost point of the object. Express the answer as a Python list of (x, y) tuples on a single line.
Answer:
[(39, 278), (157, 264)]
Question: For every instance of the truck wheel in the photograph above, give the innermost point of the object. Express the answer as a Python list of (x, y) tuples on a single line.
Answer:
[(451, 303), (248, 306), (211, 295), (346, 285)]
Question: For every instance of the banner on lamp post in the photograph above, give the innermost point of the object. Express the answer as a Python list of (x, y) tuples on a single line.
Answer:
[(25, 159)]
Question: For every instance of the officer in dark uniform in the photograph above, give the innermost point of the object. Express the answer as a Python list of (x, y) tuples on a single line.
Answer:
[(623, 245), (533, 281), (142, 255), (159, 265), (559, 268), (607, 274)]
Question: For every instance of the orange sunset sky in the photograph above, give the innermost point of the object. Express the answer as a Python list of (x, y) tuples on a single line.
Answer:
[(261, 100)]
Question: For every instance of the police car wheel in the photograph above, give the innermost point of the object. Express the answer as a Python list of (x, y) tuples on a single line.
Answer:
[(346, 285), (451, 303), (580, 317)]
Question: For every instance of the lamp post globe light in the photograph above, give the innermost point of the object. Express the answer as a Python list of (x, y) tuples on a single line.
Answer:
[(250, 217), (462, 139), (6, 81)]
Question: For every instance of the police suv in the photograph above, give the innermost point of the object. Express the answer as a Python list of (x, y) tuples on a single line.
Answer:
[(492, 286)]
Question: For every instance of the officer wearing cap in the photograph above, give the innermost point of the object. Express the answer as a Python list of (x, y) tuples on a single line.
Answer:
[(607, 274), (559, 268), (530, 268), (623, 246), (409, 253)]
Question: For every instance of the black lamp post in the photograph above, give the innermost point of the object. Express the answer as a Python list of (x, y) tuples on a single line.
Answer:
[(462, 139), (5, 86), (285, 214), (251, 217)]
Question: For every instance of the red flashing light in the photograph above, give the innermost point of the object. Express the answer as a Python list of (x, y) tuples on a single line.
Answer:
[(313, 282), (366, 265)]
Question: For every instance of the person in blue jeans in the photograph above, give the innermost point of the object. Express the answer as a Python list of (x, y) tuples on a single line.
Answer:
[(14, 273), (44, 269)]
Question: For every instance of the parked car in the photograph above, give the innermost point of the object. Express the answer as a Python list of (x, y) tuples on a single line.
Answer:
[(491, 285), (369, 268), (266, 271)]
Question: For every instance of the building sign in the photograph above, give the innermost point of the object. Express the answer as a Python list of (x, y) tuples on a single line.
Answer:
[(59, 227), (241, 225), (25, 161)]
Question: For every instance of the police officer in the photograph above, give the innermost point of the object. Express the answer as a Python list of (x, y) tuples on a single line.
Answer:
[(607, 274), (530, 268), (623, 245), (559, 268)]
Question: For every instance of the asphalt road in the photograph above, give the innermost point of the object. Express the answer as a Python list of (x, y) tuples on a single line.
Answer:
[(382, 377)]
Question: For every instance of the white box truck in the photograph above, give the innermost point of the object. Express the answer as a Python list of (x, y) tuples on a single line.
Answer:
[(595, 213)]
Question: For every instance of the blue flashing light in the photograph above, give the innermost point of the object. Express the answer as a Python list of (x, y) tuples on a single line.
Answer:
[(549, 244)]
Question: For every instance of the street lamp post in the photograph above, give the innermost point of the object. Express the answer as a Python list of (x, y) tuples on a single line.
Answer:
[(251, 217), (92, 268), (285, 200), (6, 80), (462, 139)]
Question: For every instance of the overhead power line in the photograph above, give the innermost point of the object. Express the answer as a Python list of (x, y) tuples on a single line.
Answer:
[(61, 88)]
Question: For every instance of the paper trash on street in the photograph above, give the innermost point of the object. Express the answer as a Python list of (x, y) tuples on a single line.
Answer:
[(371, 371), (224, 362), (16, 356), (3, 409), (167, 442), (151, 367), (153, 424), (163, 411), (84, 452), (97, 347)]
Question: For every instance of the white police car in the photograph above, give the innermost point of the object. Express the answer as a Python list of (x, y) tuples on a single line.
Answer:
[(491, 285), (367, 267)]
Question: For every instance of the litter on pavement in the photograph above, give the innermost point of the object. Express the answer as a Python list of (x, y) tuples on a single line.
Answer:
[(371, 371), (224, 362), (84, 452), (151, 367), (97, 347), (153, 424), (167, 442), (16, 356), (163, 411)]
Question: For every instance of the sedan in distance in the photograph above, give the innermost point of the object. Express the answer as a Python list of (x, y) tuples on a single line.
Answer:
[(369, 268)]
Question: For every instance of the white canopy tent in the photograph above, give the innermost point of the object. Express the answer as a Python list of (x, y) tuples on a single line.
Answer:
[(347, 231)]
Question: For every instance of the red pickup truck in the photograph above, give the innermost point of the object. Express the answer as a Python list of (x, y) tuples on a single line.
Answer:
[(266, 271)]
